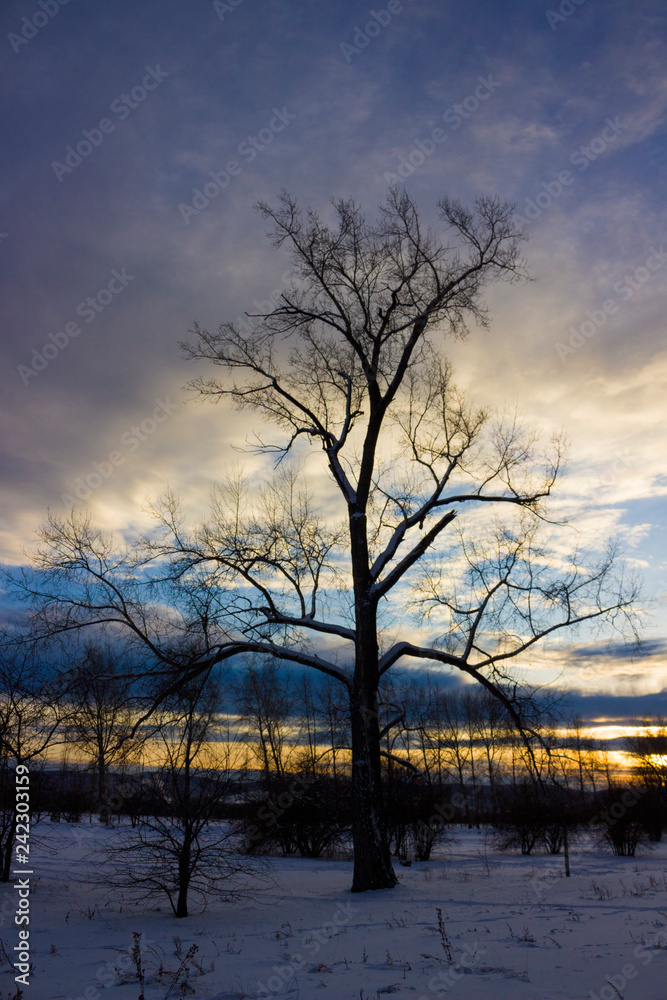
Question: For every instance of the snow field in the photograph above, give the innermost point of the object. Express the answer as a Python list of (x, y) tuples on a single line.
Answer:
[(509, 928)]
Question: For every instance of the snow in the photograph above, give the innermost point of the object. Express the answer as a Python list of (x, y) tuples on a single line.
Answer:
[(517, 929)]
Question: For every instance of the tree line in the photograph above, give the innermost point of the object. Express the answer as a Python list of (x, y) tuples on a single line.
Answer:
[(225, 775)]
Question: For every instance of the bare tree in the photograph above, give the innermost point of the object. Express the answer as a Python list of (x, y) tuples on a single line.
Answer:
[(491, 735), (308, 755), (101, 720), (351, 361), (648, 750), (334, 714), (179, 851), (30, 719), (265, 704)]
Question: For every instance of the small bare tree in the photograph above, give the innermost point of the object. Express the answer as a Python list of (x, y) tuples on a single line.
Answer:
[(648, 750), (334, 713), (265, 705), (101, 722), (30, 717), (178, 850), (351, 361)]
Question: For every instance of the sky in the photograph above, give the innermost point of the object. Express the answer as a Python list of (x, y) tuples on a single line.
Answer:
[(138, 137)]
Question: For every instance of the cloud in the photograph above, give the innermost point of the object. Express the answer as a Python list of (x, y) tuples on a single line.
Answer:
[(120, 208)]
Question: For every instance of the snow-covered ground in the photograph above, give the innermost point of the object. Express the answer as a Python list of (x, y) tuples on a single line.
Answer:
[(516, 929)]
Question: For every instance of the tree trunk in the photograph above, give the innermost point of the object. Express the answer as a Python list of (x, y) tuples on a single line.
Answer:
[(7, 850), (184, 853), (183, 880), (372, 860), (101, 777)]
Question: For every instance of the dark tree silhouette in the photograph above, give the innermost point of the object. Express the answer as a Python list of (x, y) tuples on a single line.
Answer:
[(352, 362), (101, 718), (31, 712), (177, 850)]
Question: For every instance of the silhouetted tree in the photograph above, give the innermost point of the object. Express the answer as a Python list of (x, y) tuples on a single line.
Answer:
[(266, 704), (352, 362), (178, 851), (101, 724), (30, 717), (648, 749)]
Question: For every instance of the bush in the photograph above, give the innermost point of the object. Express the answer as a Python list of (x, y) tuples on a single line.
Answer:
[(429, 820), (521, 818), (310, 816), (652, 812), (621, 820)]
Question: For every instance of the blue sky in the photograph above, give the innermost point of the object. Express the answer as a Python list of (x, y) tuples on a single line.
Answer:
[(563, 114)]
